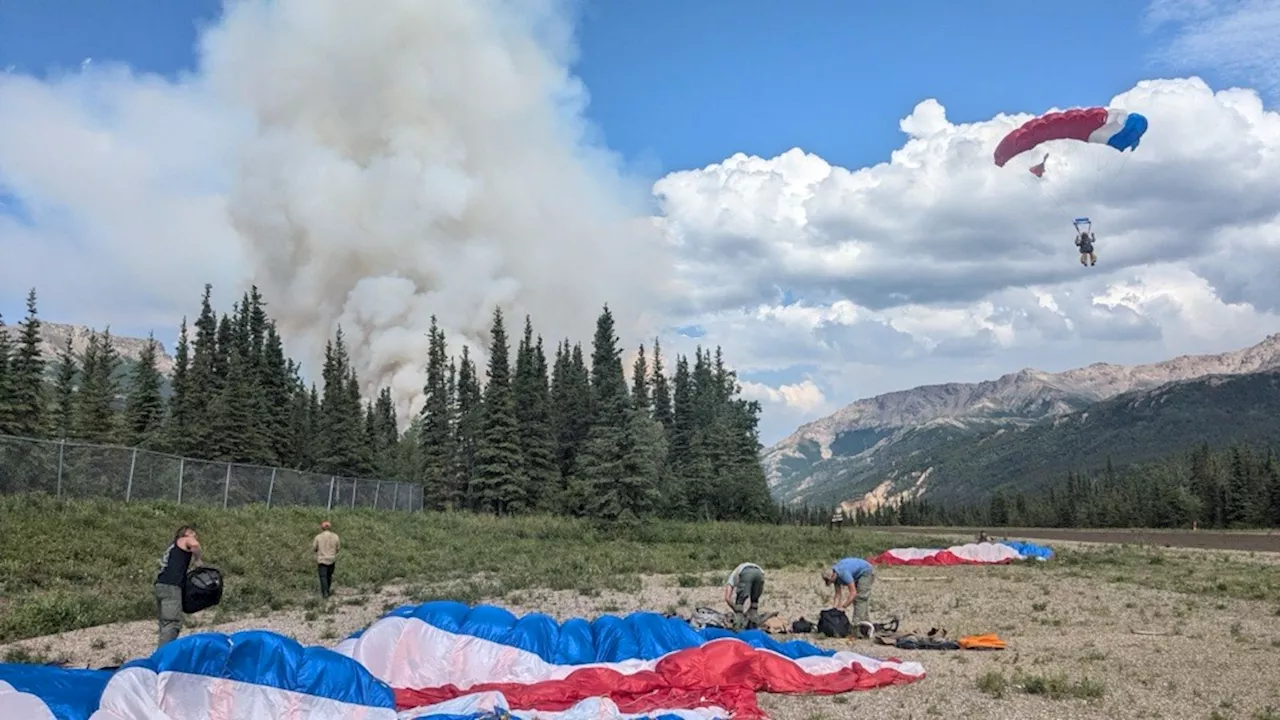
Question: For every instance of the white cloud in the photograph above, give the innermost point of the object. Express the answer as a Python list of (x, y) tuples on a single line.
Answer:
[(938, 266), (1237, 37), (374, 169), (804, 396)]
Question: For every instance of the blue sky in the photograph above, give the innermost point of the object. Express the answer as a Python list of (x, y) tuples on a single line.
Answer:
[(677, 85)]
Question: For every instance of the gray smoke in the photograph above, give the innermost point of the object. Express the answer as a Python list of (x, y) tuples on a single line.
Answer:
[(417, 157)]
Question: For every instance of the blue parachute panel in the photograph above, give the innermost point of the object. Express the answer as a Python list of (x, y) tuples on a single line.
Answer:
[(70, 693)]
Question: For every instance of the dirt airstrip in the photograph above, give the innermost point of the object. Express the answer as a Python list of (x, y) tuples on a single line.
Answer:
[(1085, 640)]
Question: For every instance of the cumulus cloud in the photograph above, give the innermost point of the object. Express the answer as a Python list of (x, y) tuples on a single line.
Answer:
[(365, 169), (938, 266), (373, 169), (804, 396)]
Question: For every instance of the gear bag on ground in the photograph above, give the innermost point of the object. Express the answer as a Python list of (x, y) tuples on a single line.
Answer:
[(834, 623)]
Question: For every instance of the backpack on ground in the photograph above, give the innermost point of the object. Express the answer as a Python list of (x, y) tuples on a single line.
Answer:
[(801, 626), (202, 590), (705, 617), (834, 623)]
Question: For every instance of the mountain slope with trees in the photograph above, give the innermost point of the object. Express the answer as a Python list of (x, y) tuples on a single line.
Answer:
[(1133, 428), (525, 434), (868, 441)]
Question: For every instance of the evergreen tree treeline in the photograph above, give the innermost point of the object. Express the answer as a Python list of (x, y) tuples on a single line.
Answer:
[(529, 434), (1234, 487)]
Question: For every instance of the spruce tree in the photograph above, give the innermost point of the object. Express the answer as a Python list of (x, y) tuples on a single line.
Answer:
[(500, 479), (533, 412), (363, 461), (601, 469), (277, 382), (203, 388), (62, 414), (144, 408), (26, 376), (8, 399), (177, 422), (339, 430), (436, 445), (661, 390), (96, 418), (237, 436), (640, 383), (386, 437), (468, 425)]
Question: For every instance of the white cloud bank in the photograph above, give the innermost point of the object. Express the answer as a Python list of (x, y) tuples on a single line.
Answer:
[(373, 169), (939, 266)]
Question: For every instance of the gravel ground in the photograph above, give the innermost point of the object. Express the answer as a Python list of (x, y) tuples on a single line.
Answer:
[(1216, 655)]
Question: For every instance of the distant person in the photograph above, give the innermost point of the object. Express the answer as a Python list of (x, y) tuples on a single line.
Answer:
[(982, 536), (183, 554), (857, 575), (1085, 242), (742, 589), (325, 545)]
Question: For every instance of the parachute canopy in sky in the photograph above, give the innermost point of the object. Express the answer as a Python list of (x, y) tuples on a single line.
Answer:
[(1116, 128)]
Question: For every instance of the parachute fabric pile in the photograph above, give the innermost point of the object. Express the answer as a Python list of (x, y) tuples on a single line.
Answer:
[(987, 553), (446, 660)]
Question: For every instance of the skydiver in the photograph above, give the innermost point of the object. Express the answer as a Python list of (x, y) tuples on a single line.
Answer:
[(1085, 241)]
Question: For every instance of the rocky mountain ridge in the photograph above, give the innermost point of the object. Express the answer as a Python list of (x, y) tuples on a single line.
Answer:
[(53, 336), (864, 435)]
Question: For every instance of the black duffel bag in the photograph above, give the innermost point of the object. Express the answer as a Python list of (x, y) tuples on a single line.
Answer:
[(202, 589), (834, 623)]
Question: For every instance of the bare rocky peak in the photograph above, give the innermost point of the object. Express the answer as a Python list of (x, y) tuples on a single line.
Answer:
[(1027, 392), (54, 335)]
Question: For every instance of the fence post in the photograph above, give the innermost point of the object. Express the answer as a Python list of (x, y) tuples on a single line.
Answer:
[(226, 487), (62, 445), (128, 488), (272, 487), (353, 492), (395, 495), (376, 489), (330, 505), (182, 466)]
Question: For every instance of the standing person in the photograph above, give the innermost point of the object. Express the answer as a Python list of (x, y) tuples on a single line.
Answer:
[(325, 545), (743, 588), (857, 575), (181, 555)]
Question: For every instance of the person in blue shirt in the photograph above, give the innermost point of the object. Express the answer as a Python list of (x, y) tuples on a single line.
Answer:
[(856, 575)]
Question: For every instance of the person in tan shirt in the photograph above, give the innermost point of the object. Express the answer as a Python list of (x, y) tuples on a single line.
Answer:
[(325, 545)]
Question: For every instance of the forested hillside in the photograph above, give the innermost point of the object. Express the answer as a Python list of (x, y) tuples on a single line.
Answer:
[(528, 433), (1234, 487), (1132, 428)]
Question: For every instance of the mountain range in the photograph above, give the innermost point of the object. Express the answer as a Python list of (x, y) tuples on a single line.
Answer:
[(960, 441)]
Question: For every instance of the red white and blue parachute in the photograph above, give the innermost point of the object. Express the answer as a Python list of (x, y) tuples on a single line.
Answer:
[(448, 661), (1113, 127), (987, 553)]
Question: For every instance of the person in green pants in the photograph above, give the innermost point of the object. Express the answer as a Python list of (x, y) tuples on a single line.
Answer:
[(182, 554), (742, 589), (857, 575)]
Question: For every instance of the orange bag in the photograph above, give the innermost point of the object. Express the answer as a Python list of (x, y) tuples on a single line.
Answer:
[(988, 641)]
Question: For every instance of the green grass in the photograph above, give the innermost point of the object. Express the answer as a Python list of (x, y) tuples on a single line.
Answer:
[(72, 564), (1221, 577), (1054, 687)]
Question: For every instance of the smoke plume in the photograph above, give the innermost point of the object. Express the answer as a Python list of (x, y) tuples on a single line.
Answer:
[(416, 157)]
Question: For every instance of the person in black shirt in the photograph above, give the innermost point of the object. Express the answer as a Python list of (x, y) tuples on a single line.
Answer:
[(181, 555), (1085, 242)]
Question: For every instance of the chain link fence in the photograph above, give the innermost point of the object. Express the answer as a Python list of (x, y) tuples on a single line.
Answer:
[(83, 471)]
